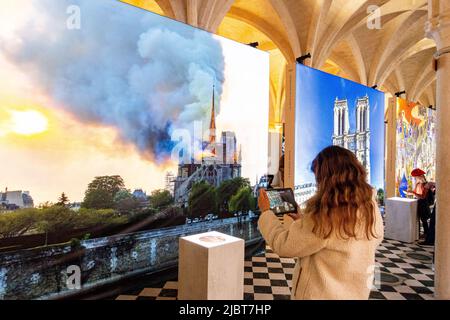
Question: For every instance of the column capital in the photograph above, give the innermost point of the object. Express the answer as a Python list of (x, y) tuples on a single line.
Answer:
[(438, 29)]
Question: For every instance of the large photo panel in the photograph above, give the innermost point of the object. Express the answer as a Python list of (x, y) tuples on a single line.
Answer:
[(105, 106), (120, 131), (416, 144), (334, 111)]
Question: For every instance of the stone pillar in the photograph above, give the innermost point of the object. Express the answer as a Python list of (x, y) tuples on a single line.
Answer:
[(391, 148), (438, 28), (289, 114)]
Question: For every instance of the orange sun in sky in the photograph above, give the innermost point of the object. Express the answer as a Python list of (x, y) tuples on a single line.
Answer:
[(28, 122)]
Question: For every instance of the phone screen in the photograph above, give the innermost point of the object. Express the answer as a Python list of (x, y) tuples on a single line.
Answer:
[(282, 201)]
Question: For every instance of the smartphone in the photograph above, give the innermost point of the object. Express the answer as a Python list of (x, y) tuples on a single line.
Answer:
[(282, 201)]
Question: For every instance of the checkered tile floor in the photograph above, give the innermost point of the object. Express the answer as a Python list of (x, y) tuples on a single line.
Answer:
[(166, 292), (269, 277)]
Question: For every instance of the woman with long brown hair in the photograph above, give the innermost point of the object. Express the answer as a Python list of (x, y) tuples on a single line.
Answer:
[(335, 236)]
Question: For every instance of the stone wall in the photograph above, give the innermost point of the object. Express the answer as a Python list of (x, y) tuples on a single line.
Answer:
[(42, 273)]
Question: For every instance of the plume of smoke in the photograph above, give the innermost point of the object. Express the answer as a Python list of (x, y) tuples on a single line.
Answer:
[(136, 71)]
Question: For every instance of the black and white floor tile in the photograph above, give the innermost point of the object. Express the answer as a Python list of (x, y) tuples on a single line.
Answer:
[(166, 292), (269, 277)]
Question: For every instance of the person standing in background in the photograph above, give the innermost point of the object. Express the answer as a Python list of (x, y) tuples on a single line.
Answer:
[(422, 192)]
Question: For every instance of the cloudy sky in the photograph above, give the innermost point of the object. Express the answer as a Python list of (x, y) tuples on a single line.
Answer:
[(106, 98)]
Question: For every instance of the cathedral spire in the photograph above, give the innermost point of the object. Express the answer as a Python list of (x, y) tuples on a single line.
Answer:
[(212, 125)]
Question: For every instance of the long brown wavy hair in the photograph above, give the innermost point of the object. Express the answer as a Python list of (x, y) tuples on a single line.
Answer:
[(344, 200)]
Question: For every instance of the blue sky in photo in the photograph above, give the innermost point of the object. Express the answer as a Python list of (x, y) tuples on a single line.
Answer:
[(316, 93)]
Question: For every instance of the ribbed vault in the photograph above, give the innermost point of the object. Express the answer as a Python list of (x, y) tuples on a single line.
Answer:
[(338, 33)]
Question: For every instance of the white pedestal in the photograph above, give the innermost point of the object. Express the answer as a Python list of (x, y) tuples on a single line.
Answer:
[(401, 220), (211, 267)]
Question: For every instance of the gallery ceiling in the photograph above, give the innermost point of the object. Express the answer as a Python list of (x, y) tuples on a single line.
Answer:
[(395, 54)]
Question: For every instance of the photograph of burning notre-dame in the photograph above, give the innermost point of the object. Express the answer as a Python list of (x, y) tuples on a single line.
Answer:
[(220, 161), (122, 133)]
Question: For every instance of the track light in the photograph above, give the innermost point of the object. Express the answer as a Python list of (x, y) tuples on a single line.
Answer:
[(254, 44), (398, 94), (375, 86), (302, 59)]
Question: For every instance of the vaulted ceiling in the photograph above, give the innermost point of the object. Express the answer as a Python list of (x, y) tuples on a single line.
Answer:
[(373, 42)]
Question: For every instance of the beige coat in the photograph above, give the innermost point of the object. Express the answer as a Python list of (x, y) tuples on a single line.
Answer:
[(326, 269)]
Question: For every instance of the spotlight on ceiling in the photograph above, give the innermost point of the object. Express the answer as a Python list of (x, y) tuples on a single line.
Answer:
[(254, 44), (302, 59), (398, 94), (375, 86)]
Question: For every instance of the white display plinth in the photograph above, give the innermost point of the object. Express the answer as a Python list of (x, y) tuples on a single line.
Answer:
[(401, 220), (211, 267)]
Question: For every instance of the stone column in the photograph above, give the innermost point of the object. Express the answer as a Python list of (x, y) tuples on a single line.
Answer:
[(391, 148), (438, 28), (289, 114)]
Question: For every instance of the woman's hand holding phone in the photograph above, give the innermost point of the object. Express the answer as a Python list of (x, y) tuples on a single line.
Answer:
[(263, 201), (264, 205)]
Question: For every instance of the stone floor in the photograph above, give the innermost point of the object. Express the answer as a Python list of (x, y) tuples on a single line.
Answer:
[(405, 274)]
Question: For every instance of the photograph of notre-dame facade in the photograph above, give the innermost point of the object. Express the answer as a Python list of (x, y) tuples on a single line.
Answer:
[(357, 141), (347, 114)]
